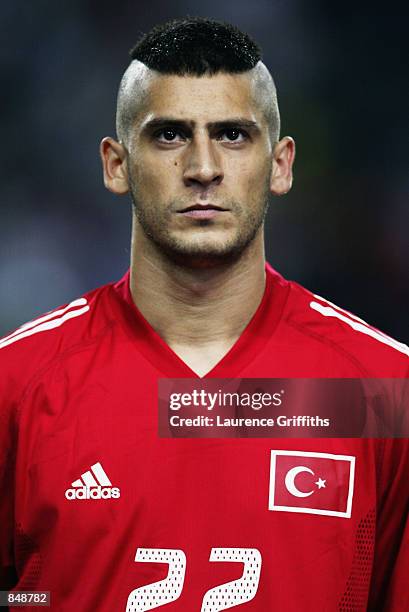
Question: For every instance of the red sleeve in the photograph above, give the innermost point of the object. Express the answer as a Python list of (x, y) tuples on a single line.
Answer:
[(7, 469), (389, 585), (398, 593)]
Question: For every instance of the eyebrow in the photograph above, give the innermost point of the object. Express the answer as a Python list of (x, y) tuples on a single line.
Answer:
[(231, 122)]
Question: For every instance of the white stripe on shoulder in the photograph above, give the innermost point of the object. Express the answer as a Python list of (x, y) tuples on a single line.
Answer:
[(46, 317), (360, 326), (339, 309), (352, 316), (46, 322)]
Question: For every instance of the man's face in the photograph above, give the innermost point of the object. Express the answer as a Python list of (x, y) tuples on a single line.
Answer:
[(199, 166)]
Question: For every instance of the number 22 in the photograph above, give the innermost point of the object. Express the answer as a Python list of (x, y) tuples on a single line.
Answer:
[(221, 597)]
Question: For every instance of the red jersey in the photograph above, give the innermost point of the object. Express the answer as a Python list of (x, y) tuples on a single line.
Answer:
[(99, 510)]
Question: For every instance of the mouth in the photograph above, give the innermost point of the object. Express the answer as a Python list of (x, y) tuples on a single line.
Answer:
[(202, 211)]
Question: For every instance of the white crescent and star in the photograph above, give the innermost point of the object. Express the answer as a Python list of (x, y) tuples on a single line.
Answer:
[(290, 481)]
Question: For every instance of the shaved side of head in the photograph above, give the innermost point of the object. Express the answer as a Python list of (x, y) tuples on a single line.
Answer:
[(131, 96), (265, 94)]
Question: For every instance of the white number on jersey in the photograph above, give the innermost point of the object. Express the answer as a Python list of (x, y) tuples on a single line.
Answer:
[(228, 595), (239, 591), (164, 591)]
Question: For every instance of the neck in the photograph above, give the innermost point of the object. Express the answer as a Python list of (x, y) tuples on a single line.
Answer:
[(196, 305), (196, 309)]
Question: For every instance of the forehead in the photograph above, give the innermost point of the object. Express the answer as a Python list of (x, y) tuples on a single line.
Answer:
[(204, 98)]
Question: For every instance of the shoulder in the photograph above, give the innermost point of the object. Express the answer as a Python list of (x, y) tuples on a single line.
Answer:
[(337, 332), (35, 344)]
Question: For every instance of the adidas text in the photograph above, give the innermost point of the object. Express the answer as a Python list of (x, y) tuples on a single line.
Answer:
[(93, 493)]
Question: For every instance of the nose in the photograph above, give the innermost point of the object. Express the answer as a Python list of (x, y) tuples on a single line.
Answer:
[(203, 164)]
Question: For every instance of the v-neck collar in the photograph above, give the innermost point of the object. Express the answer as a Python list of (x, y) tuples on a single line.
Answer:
[(249, 344)]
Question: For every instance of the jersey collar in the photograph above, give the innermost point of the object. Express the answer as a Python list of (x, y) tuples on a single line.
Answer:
[(251, 342)]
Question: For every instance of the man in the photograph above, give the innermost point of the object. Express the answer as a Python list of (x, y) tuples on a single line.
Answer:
[(96, 507)]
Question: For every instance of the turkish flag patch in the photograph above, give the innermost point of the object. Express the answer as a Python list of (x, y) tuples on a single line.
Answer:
[(312, 483)]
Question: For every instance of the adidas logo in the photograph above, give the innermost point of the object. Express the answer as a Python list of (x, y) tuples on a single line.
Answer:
[(93, 484)]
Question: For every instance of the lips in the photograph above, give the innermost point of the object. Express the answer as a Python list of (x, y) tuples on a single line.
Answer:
[(202, 207), (203, 211)]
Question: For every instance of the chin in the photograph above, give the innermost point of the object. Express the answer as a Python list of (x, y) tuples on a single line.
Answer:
[(203, 256)]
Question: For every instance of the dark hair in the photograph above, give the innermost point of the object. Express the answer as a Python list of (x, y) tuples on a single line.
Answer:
[(195, 45)]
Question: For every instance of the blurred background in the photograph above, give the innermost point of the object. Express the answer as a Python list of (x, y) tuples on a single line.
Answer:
[(342, 75)]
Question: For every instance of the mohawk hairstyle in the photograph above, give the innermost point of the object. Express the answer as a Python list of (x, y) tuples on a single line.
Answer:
[(195, 45)]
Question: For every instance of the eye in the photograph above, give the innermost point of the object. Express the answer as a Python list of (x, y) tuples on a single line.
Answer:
[(233, 135), (169, 135)]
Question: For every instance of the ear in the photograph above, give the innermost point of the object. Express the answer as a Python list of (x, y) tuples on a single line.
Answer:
[(282, 171), (113, 156)]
